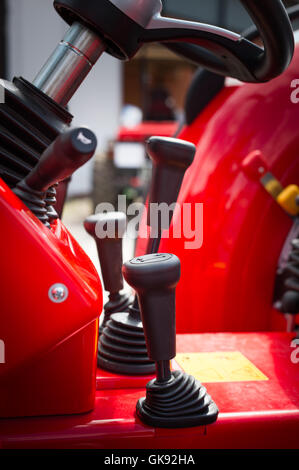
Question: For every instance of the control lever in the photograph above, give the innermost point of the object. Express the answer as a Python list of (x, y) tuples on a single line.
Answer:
[(171, 158), (173, 399), (121, 346), (108, 229), (61, 159)]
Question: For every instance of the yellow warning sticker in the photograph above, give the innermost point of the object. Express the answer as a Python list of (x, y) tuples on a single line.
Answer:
[(210, 367)]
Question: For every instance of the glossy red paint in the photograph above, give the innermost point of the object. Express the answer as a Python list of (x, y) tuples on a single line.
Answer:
[(227, 283), (256, 414), (145, 130), (50, 349), (108, 381)]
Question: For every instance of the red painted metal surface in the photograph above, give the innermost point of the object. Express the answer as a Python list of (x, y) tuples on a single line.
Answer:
[(256, 414), (107, 380), (145, 130), (227, 283), (50, 349)]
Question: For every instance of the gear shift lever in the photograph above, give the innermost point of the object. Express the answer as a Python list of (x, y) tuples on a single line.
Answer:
[(122, 346), (171, 158), (108, 229), (173, 399), (61, 159)]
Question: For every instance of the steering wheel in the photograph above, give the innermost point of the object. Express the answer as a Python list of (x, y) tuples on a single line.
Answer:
[(252, 33), (126, 25), (236, 56)]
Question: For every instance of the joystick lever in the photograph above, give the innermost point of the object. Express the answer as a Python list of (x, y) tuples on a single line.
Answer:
[(122, 347), (171, 158), (173, 399), (154, 278), (108, 229), (60, 160)]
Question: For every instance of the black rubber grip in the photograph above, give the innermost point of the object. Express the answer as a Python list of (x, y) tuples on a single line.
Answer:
[(62, 158)]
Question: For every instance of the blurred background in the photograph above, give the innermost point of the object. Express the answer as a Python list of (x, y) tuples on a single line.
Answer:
[(122, 102)]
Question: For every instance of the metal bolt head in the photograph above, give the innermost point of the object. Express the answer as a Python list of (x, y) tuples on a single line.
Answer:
[(58, 293)]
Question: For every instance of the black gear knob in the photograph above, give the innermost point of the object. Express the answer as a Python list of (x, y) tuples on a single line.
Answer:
[(108, 230), (171, 158), (122, 347), (154, 278), (62, 158), (173, 399)]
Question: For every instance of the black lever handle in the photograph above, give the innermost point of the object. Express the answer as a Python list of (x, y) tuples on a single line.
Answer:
[(173, 399), (116, 352), (62, 158), (108, 230), (154, 278), (171, 158)]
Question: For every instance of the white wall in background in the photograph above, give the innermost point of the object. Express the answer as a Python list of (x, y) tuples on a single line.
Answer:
[(34, 30), (97, 105)]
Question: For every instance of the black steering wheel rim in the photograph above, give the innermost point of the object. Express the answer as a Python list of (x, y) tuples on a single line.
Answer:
[(126, 25), (243, 59), (252, 33)]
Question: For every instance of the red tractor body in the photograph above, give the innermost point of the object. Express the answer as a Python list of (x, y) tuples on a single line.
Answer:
[(228, 273), (146, 129), (51, 393), (257, 396), (49, 349)]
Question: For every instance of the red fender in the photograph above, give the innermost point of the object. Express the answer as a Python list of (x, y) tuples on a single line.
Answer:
[(50, 348), (227, 283)]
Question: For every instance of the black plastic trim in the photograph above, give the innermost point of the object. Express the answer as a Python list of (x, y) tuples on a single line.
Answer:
[(121, 33)]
